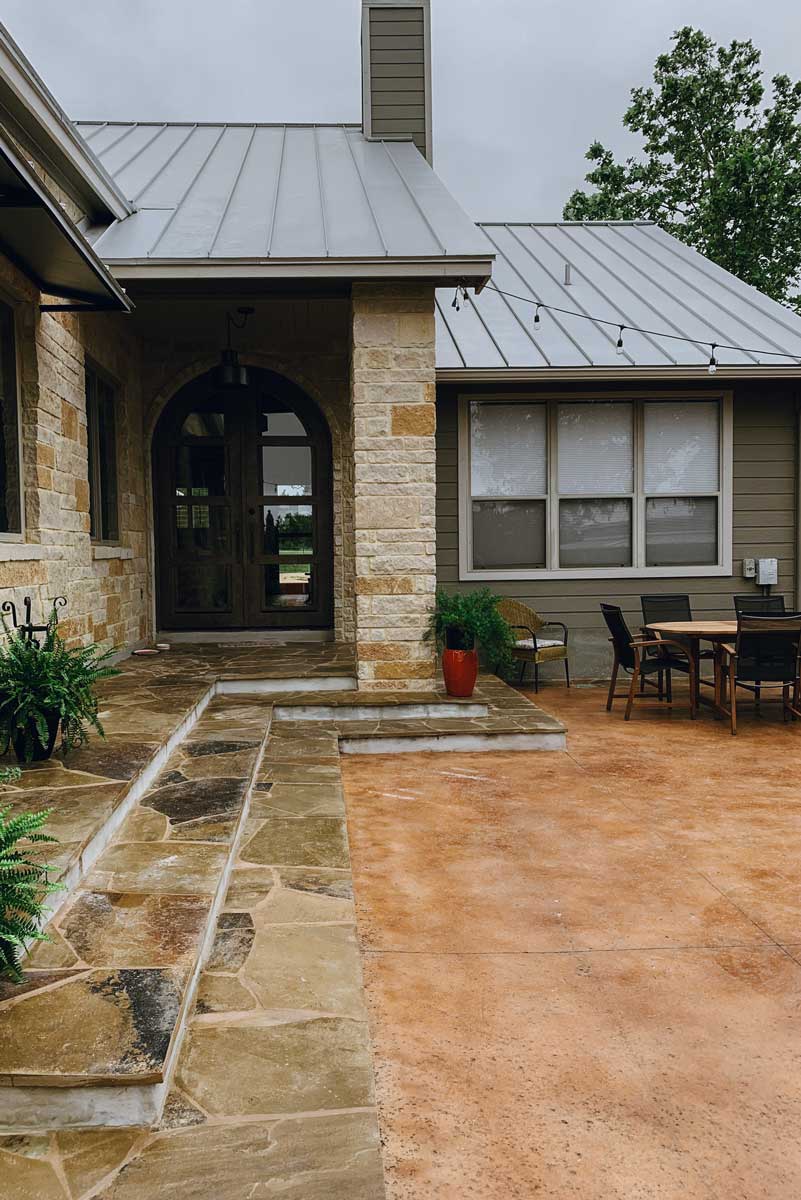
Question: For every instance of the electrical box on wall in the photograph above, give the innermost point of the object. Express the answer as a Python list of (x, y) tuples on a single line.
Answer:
[(749, 568), (767, 571)]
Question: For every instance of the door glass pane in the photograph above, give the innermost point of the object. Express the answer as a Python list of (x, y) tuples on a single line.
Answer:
[(286, 470), (202, 529), (507, 449), (287, 530), (200, 470), (508, 534), (204, 424), (288, 585), (278, 421), (596, 449), (595, 533), (681, 531), (682, 447), (202, 588)]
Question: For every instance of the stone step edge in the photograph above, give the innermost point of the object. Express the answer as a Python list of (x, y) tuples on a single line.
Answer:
[(106, 1101), (77, 871)]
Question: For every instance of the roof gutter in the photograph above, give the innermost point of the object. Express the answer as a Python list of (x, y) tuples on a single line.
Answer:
[(37, 121), (602, 374), (441, 271)]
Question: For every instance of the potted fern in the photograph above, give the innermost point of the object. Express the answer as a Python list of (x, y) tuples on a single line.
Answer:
[(48, 689), (24, 884), (458, 623)]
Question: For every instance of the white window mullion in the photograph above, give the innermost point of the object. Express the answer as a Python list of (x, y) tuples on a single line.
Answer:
[(638, 500), (553, 488)]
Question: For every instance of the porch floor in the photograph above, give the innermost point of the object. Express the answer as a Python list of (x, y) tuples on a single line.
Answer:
[(583, 970)]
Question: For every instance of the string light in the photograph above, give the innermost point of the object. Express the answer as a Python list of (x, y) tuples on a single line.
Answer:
[(658, 333), (456, 303), (460, 297)]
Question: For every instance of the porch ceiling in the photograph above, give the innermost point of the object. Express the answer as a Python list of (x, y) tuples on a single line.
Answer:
[(279, 200)]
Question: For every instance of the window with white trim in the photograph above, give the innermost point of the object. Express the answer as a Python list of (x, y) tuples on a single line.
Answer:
[(10, 491), (572, 487)]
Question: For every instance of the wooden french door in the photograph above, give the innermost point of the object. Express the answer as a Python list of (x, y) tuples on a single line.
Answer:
[(243, 508)]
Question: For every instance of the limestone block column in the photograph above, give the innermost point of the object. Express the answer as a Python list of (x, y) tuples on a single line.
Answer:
[(394, 420)]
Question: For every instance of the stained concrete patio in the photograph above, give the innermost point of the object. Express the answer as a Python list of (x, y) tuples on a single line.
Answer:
[(583, 970)]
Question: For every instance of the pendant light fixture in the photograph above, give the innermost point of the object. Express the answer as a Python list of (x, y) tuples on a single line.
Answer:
[(231, 373)]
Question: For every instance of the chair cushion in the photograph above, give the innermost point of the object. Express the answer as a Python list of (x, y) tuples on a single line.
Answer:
[(542, 643)]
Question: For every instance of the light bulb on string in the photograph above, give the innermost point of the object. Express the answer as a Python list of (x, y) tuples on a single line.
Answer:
[(619, 345), (537, 316), (455, 303), (713, 362)]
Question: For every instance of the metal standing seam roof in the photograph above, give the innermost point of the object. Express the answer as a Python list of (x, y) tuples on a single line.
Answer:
[(277, 194), (632, 273)]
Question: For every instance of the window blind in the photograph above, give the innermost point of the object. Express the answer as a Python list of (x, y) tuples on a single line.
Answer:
[(508, 449), (596, 449), (681, 448)]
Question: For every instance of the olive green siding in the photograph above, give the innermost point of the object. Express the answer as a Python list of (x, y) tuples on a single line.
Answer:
[(765, 510), (398, 74)]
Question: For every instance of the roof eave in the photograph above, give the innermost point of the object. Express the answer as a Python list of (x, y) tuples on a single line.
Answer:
[(37, 120), (107, 294), (475, 271), (611, 374)]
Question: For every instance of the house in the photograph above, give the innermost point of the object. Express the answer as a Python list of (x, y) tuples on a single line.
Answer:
[(237, 397)]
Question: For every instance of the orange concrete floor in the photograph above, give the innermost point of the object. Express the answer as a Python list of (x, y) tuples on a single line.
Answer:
[(584, 969)]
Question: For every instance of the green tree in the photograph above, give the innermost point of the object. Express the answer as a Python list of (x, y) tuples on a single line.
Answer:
[(720, 167)]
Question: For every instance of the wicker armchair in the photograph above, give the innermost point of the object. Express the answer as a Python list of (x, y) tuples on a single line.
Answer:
[(532, 646)]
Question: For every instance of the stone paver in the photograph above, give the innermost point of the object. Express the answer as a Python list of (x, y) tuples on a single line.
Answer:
[(583, 970)]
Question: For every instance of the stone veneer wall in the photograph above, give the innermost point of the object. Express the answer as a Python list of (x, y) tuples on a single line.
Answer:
[(394, 422), (107, 589)]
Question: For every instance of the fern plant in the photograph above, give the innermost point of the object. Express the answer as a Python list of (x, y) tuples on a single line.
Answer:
[(46, 689), (460, 619), (24, 884)]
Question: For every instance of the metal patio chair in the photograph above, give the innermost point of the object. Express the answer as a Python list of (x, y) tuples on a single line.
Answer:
[(632, 654), (674, 607), (532, 646), (765, 654), (756, 605)]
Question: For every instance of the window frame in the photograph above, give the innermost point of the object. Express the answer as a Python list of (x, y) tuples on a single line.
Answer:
[(639, 570), (16, 536), (92, 450)]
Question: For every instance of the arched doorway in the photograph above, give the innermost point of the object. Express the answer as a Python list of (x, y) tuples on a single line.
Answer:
[(242, 499)]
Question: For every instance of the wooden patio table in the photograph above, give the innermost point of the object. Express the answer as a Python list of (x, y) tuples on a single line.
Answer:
[(695, 632)]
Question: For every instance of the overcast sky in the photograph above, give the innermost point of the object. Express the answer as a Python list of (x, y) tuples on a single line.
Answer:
[(521, 87)]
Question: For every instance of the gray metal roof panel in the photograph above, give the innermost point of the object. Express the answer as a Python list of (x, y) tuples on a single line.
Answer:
[(237, 191), (630, 273)]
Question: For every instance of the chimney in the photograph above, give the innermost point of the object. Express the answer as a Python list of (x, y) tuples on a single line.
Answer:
[(396, 72)]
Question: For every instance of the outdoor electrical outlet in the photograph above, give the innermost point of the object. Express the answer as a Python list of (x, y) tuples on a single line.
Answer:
[(749, 568)]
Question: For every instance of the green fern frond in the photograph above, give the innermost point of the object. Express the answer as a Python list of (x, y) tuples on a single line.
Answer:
[(24, 884)]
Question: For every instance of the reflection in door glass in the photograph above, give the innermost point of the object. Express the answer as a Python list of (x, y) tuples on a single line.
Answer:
[(205, 588), (278, 421), (202, 529), (200, 470), (204, 424), (288, 585), (287, 529), (286, 471)]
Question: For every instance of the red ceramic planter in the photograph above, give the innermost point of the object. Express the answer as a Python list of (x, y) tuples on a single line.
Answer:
[(460, 668)]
